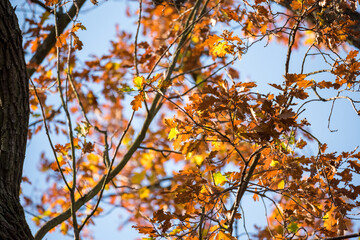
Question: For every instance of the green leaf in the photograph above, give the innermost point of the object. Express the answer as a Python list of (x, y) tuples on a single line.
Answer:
[(83, 129), (126, 89), (293, 227), (219, 179)]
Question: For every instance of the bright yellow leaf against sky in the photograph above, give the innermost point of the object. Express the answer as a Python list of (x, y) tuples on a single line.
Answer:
[(173, 133), (220, 49), (219, 179)]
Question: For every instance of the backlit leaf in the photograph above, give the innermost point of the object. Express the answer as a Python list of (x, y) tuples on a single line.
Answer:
[(281, 184), (173, 133), (219, 179)]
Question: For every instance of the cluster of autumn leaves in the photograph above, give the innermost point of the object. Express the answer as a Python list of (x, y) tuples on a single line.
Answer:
[(213, 138)]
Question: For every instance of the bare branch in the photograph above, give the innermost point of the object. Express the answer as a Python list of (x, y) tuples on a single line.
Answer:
[(343, 237)]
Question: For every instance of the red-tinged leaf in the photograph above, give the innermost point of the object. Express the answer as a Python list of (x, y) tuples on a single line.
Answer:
[(305, 83), (295, 5), (212, 40), (294, 78), (352, 54), (137, 102), (233, 15), (323, 147), (301, 144), (160, 216), (146, 230), (355, 165), (249, 84), (324, 84), (25, 179), (88, 147), (112, 199), (61, 40), (256, 197), (276, 86), (170, 122), (286, 114), (77, 43), (51, 2), (299, 93), (54, 165)]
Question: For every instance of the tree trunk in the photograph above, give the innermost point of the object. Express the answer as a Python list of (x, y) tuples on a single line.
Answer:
[(14, 118)]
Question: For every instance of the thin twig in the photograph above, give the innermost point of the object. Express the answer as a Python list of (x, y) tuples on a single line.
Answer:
[(244, 183), (71, 137), (49, 139), (107, 174), (136, 39)]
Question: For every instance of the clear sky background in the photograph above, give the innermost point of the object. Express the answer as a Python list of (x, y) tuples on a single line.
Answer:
[(261, 64)]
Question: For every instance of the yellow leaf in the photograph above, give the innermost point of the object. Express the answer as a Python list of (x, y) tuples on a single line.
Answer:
[(147, 160), (37, 219), (64, 228), (138, 81), (195, 39), (219, 179), (127, 196), (144, 192), (281, 184), (274, 163), (224, 236), (138, 177), (93, 158), (198, 159), (220, 49), (173, 133)]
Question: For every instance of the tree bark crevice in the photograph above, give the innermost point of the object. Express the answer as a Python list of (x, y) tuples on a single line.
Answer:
[(14, 119)]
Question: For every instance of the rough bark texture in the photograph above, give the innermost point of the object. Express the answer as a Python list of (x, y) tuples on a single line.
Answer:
[(14, 118)]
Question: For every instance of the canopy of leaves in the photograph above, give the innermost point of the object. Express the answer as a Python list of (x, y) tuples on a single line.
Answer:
[(163, 126)]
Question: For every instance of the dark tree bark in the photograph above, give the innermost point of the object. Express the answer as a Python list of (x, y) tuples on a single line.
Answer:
[(14, 118)]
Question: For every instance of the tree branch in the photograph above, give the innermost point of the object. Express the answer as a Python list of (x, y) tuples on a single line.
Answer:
[(44, 49), (343, 237)]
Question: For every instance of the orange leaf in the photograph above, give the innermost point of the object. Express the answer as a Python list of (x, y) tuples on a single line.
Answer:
[(224, 236), (137, 102)]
